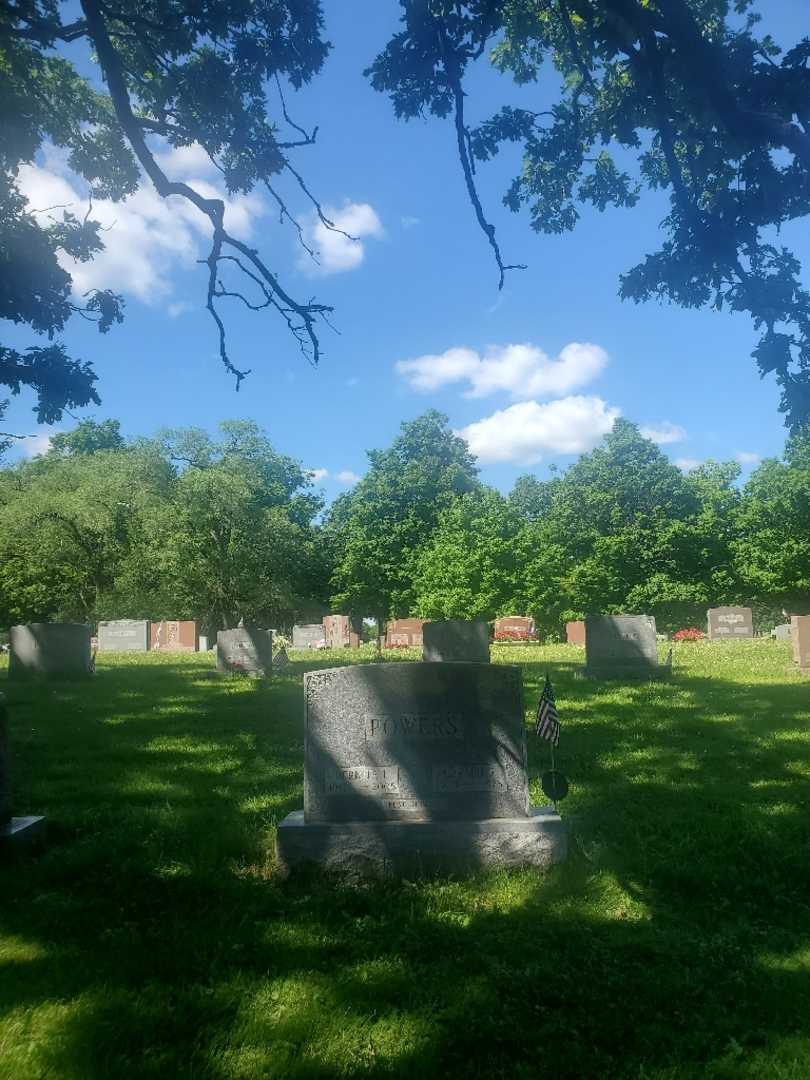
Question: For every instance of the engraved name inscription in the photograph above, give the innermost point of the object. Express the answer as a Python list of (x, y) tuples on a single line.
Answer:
[(363, 780), (414, 726), (468, 778)]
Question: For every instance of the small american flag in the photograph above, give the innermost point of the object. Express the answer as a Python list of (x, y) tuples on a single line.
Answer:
[(548, 722)]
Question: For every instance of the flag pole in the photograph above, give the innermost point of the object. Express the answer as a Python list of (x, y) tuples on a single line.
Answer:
[(554, 770)]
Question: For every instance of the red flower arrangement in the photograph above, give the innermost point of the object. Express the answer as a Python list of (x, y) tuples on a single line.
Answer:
[(690, 634)]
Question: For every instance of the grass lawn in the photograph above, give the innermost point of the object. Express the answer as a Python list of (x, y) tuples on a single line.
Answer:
[(153, 936)]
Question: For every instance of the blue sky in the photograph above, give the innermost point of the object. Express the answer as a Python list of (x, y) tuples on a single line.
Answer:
[(421, 283)]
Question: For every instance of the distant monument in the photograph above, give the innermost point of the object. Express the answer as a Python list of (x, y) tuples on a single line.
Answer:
[(245, 651), (622, 646), (308, 636), (172, 636), (401, 633), (14, 831), (730, 624), (456, 640), (50, 650), (575, 632), (800, 633), (123, 635), (514, 628), (416, 768), (338, 632)]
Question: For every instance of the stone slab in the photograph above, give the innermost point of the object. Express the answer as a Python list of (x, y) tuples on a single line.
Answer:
[(174, 636), (411, 742), (401, 633), (308, 636), (800, 634), (360, 849), (338, 633), (517, 627), (22, 832), (50, 650), (123, 635), (622, 646), (730, 624), (575, 632), (456, 640), (246, 650)]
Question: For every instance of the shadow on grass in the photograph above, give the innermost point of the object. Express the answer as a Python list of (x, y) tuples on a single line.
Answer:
[(153, 937)]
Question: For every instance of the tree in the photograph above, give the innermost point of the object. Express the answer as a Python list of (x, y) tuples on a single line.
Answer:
[(710, 109), (379, 529), (187, 74), (469, 568), (88, 438)]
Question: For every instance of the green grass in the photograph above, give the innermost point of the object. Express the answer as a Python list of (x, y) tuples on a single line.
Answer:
[(153, 937)]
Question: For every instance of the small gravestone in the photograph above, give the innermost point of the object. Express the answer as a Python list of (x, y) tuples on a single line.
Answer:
[(401, 633), (514, 628), (14, 831), (174, 636), (123, 635), (416, 767), (782, 632), (245, 651), (622, 646), (308, 636), (456, 640), (50, 650), (202, 643), (338, 633), (730, 624), (800, 632), (575, 632)]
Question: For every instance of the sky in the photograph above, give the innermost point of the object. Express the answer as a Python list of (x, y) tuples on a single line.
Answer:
[(531, 376)]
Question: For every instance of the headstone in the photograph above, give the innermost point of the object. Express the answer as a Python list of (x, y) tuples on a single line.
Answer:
[(123, 635), (416, 767), (800, 632), (15, 832), (622, 646), (202, 643), (401, 633), (730, 624), (782, 632), (308, 636), (338, 632), (575, 632), (245, 651), (514, 628), (456, 640), (169, 636), (53, 650)]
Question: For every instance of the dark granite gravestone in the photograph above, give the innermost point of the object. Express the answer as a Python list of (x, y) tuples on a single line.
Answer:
[(401, 633), (416, 766), (309, 636), (52, 650), (800, 632), (622, 646), (456, 640), (575, 632), (730, 624), (123, 635), (14, 831), (246, 651)]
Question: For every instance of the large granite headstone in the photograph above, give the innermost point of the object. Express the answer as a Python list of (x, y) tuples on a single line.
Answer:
[(15, 832), (622, 646), (246, 651), (52, 650), (416, 767), (575, 632), (800, 632), (308, 636), (456, 640), (174, 636), (123, 635), (400, 633), (730, 624)]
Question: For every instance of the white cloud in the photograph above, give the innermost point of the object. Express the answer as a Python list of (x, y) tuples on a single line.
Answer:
[(186, 161), (316, 475), (663, 433), (337, 252), (179, 308), (346, 476), (523, 433), (686, 464), (35, 445), (524, 371), (146, 238), (746, 457)]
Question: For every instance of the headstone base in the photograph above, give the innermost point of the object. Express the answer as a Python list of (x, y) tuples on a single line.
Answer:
[(660, 671), (22, 832), (364, 849)]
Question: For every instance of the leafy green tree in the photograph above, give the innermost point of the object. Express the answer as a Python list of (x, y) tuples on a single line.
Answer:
[(468, 570), (208, 74), (379, 529), (88, 438), (683, 96)]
